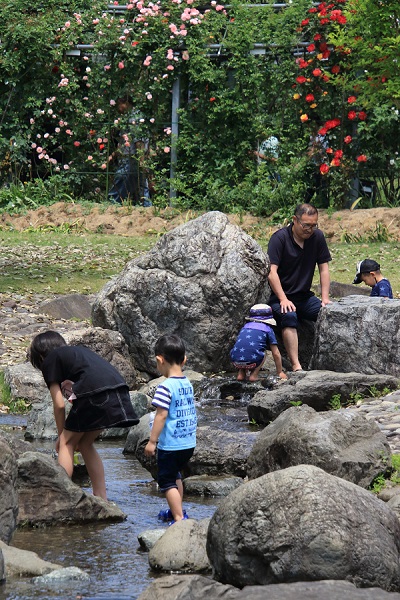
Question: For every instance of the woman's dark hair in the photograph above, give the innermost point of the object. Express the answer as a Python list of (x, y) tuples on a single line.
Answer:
[(171, 348), (42, 344)]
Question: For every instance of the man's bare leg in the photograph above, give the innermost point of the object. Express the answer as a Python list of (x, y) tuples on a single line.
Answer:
[(291, 343)]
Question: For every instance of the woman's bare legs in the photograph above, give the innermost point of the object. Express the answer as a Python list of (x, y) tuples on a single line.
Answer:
[(69, 441)]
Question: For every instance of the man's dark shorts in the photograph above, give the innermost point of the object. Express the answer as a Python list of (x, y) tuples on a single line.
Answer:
[(307, 309), (169, 464)]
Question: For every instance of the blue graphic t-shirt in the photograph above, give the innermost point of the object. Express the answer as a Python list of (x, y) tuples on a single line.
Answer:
[(175, 395), (383, 289)]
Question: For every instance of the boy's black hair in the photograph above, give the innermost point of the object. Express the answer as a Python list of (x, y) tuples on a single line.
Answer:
[(171, 348), (42, 344)]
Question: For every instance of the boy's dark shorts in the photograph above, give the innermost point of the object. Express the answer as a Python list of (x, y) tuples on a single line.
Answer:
[(169, 465)]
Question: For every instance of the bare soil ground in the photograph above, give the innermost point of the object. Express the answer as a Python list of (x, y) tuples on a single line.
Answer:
[(137, 221)]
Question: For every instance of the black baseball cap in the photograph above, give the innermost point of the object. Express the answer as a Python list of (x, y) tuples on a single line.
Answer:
[(366, 266)]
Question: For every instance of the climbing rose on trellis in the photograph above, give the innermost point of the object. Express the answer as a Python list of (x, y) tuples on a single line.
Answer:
[(318, 84)]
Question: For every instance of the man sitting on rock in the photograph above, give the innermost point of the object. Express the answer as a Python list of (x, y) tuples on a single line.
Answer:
[(294, 251)]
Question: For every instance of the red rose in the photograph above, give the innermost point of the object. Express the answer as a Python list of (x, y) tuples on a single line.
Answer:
[(301, 79), (332, 123), (101, 146), (323, 131), (77, 144), (317, 37), (351, 115), (310, 98), (324, 168), (317, 72), (362, 158), (311, 47), (339, 154), (351, 99), (305, 22), (212, 99), (347, 139), (335, 69), (335, 162), (302, 63), (362, 115)]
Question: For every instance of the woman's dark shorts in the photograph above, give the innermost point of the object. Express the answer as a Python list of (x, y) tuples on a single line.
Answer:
[(109, 408), (169, 465)]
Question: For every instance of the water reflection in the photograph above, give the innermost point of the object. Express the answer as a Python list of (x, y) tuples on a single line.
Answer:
[(110, 554)]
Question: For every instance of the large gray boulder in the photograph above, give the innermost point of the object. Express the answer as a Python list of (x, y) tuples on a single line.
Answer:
[(303, 524), (47, 496), (221, 452), (342, 443), (8, 492), (199, 587), (110, 345), (198, 281), (359, 334), (317, 389)]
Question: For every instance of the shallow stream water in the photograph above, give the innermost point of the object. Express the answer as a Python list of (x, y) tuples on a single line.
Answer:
[(110, 553)]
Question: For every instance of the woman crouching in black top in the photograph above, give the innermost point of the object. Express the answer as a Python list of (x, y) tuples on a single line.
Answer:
[(99, 395)]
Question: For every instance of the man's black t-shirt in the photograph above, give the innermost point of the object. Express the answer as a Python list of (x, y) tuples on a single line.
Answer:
[(296, 265)]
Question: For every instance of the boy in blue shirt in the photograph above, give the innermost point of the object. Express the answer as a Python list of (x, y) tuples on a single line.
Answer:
[(174, 425), (254, 339), (369, 271)]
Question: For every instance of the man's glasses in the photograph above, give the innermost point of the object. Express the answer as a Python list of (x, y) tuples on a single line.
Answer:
[(307, 226)]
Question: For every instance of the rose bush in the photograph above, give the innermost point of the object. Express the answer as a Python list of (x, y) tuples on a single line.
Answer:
[(245, 73)]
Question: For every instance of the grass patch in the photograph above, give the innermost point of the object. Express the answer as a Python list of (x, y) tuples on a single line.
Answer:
[(51, 262), (9, 404), (393, 476)]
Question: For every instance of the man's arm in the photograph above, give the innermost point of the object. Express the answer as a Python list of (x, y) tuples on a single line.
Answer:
[(276, 286), (325, 281)]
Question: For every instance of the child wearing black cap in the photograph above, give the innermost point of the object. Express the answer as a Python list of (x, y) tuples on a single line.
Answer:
[(249, 352), (369, 271)]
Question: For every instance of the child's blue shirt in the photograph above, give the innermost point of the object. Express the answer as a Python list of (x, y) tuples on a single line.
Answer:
[(383, 289), (252, 342), (175, 395)]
